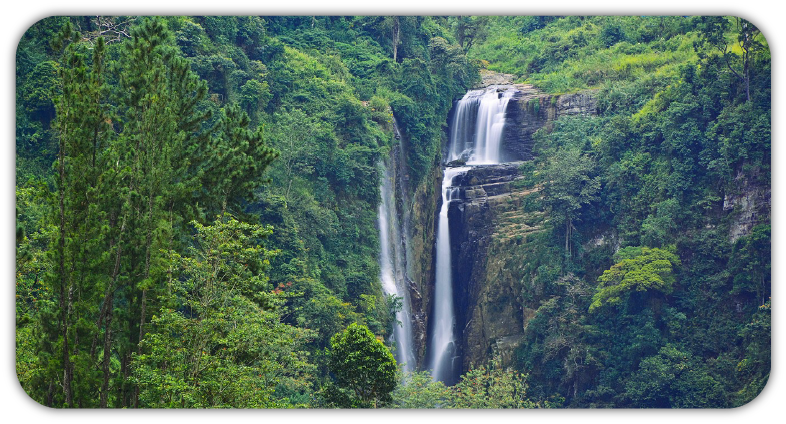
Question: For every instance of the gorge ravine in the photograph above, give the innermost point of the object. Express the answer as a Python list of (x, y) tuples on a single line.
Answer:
[(484, 209)]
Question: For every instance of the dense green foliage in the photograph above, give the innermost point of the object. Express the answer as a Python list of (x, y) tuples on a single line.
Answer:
[(653, 273), (364, 368), (642, 271), (484, 387), (155, 127), (565, 54), (218, 340), (197, 196)]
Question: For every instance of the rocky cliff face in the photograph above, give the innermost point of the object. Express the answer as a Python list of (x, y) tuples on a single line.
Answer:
[(748, 203), (530, 110), (419, 217), (417, 209), (484, 224)]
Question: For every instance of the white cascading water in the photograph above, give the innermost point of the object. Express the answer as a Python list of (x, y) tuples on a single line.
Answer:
[(462, 130), (475, 136), (392, 270), (442, 348), (476, 133)]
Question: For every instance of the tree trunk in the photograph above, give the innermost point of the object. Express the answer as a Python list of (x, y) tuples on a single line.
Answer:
[(747, 76), (68, 373), (49, 395), (64, 289), (106, 359), (460, 31), (149, 242), (106, 315), (746, 57), (122, 391)]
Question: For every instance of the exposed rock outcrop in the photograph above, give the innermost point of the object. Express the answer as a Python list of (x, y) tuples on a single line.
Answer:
[(749, 204), (483, 223), (530, 110), (488, 78), (419, 228)]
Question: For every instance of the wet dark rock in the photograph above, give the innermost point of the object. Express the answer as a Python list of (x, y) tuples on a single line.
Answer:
[(486, 310), (530, 110), (457, 162)]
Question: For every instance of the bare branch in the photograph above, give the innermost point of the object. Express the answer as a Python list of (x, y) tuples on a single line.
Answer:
[(113, 29)]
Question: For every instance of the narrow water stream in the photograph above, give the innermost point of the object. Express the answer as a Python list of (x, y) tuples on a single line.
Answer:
[(392, 264)]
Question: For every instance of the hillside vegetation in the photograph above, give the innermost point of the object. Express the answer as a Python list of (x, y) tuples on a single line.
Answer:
[(652, 287)]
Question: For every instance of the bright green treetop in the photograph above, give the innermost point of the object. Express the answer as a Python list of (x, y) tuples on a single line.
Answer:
[(363, 366), (641, 269)]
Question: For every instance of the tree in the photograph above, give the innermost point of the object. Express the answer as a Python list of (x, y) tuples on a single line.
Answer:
[(294, 136), (470, 29), (112, 29), (254, 96), (534, 23), (611, 33), (558, 339), (34, 233), (750, 264), (754, 368), (569, 184), (158, 125), (399, 32), (673, 379), (317, 308), (714, 30), (640, 269), (491, 387), (144, 150), (233, 162), (364, 369), (78, 246), (217, 340), (450, 65), (417, 390)]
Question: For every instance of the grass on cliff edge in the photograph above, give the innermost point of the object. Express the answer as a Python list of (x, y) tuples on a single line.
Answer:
[(575, 53)]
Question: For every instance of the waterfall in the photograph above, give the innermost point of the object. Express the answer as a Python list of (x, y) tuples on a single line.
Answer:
[(478, 123), (463, 126), (443, 348), (476, 134), (392, 266)]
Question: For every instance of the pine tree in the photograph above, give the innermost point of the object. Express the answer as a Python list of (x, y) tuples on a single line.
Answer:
[(137, 161), (165, 141), (77, 249), (233, 160)]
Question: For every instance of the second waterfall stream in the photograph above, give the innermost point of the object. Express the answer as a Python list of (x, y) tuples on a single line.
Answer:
[(392, 268)]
